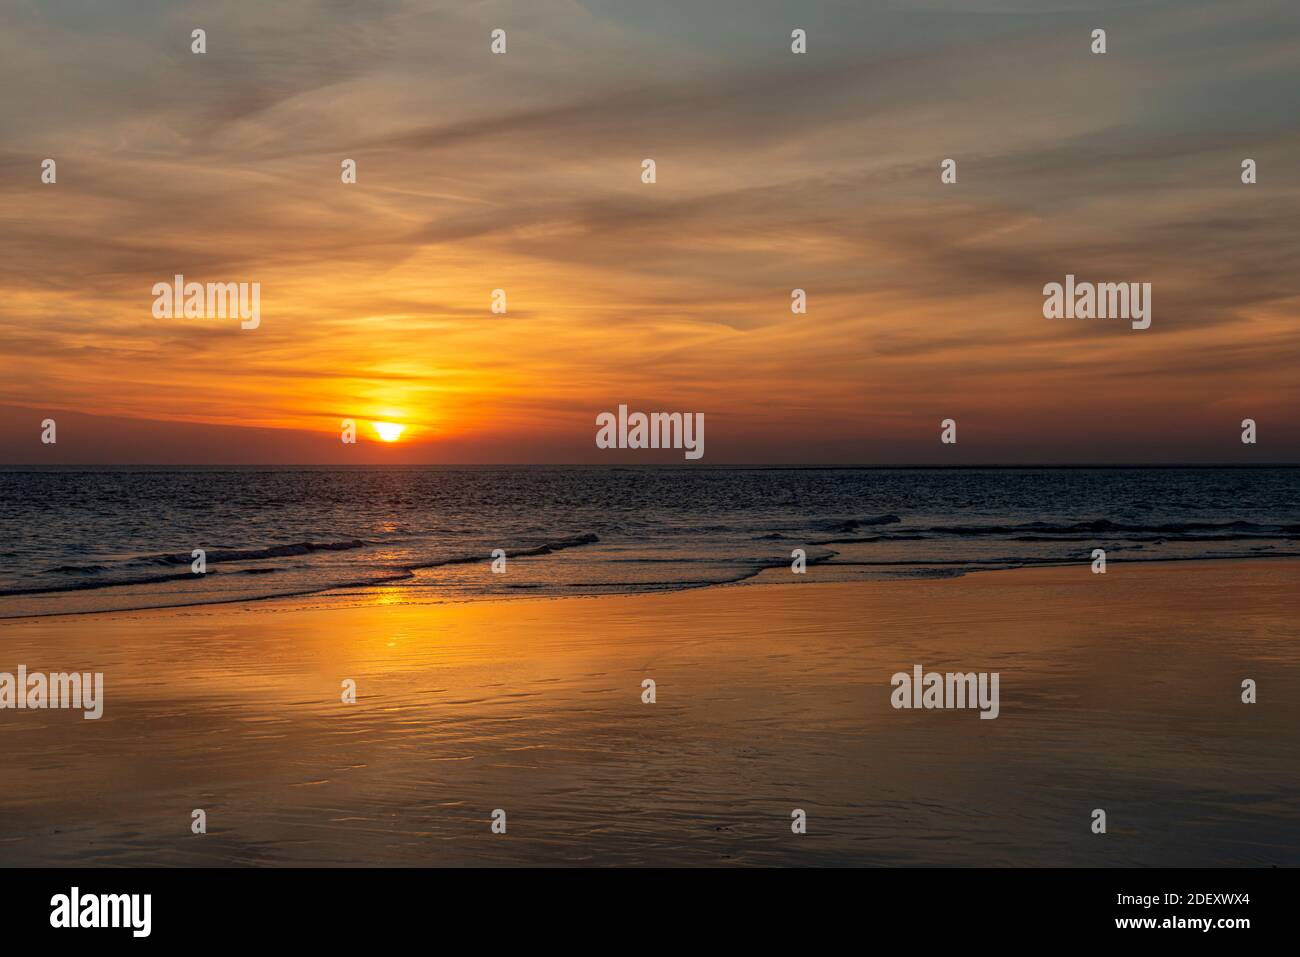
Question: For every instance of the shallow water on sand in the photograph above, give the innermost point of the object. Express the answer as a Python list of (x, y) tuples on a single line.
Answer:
[(1119, 692)]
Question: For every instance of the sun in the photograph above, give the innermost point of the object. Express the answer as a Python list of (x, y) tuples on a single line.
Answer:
[(389, 431)]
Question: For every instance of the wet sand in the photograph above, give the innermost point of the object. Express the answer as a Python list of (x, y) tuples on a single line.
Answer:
[(1120, 692)]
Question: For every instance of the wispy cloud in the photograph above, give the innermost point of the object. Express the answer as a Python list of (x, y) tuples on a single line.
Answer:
[(775, 171)]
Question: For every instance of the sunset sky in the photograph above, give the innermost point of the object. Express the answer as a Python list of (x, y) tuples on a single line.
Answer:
[(775, 171)]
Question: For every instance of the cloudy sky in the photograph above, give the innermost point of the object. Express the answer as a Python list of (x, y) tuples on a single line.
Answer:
[(774, 171)]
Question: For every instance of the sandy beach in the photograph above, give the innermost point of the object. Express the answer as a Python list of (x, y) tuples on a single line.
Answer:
[(1120, 692)]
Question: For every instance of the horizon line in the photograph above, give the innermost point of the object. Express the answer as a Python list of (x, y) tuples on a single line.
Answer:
[(34, 466)]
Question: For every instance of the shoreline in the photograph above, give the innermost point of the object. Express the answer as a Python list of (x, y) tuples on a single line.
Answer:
[(748, 580)]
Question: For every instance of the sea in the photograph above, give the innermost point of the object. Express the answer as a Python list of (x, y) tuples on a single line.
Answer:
[(78, 540)]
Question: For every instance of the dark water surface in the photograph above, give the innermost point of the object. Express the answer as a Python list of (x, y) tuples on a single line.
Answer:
[(91, 540)]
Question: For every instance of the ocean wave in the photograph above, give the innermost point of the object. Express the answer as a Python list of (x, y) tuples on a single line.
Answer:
[(55, 588), (255, 554), (849, 525), (867, 539), (76, 569), (1102, 525), (588, 538), (393, 574)]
